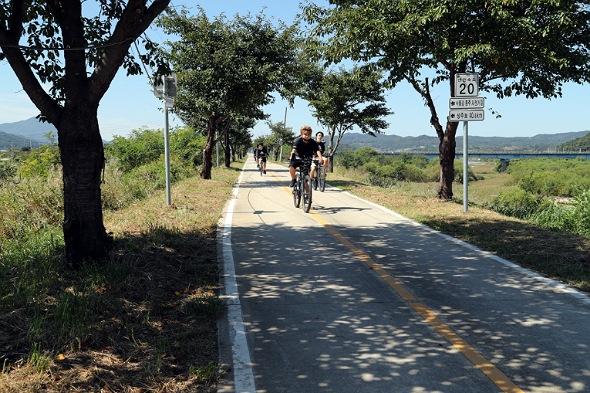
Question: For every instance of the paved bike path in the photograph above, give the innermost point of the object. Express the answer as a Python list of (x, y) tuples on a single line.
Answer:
[(321, 314)]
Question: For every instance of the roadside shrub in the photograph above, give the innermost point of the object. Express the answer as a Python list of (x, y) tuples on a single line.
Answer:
[(432, 172), (388, 175), (413, 159), (187, 144), (39, 162), (517, 202), (7, 170), (30, 205), (582, 213), (355, 159), (502, 165), (141, 147), (555, 216), (122, 189), (551, 177)]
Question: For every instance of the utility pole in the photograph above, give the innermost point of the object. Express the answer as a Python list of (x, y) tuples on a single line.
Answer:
[(167, 145)]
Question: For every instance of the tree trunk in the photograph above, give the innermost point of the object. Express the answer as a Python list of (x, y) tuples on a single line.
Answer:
[(446, 137), (208, 151), (82, 157), (446, 149), (227, 148)]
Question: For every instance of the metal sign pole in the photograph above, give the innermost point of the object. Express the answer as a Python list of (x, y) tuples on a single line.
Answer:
[(167, 156), (465, 167), (167, 148)]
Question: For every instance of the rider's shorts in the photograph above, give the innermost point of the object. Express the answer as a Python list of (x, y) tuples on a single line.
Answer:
[(296, 162), (263, 158)]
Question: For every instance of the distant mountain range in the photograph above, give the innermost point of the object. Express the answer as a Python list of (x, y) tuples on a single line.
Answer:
[(9, 140), (578, 144), (25, 133), (426, 143), (33, 132)]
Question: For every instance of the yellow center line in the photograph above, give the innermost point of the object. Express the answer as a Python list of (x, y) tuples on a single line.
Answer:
[(429, 315)]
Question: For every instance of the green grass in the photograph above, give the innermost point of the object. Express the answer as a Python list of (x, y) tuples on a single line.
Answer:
[(552, 177), (149, 311)]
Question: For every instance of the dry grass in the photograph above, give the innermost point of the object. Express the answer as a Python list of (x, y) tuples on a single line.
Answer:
[(145, 321), (559, 255)]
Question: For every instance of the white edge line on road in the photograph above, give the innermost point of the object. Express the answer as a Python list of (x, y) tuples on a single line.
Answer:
[(242, 365), (554, 284)]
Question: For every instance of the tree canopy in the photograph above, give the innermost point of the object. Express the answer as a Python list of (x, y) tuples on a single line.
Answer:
[(345, 99), (229, 68), (519, 47), (68, 47)]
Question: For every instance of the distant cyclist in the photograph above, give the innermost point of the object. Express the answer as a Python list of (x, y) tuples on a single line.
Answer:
[(256, 156), (319, 138), (303, 148), (261, 154)]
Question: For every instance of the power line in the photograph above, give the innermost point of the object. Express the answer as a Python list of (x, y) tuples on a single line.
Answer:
[(61, 48)]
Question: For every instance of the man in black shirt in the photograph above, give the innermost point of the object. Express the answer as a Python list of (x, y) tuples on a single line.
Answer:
[(261, 154), (303, 148)]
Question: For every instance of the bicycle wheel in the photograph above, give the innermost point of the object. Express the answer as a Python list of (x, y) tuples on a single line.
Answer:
[(307, 190), (322, 180), (297, 193)]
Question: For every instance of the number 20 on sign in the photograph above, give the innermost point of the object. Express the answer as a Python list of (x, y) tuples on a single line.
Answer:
[(466, 85)]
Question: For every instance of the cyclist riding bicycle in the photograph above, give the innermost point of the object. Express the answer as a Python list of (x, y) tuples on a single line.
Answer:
[(261, 154), (319, 138), (303, 148)]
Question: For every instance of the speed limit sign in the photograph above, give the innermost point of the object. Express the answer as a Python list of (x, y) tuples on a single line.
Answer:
[(466, 85)]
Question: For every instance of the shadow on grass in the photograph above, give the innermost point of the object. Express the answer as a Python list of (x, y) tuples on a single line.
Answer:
[(560, 255), (346, 184), (145, 319), (236, 167)]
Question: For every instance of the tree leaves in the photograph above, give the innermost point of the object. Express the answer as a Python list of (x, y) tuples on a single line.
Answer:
[(44, 45), (344, 99), (227, 67), (526, 47)]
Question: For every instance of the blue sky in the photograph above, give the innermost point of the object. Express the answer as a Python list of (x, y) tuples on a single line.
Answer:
[(130, 104)]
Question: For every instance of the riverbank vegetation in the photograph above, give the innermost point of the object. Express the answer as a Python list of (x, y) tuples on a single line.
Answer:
[(149, 310)]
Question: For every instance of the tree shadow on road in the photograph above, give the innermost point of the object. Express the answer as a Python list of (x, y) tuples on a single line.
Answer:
[(320, 320)]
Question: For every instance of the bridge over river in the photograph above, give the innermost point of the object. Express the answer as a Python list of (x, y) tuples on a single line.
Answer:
[(505, 156)]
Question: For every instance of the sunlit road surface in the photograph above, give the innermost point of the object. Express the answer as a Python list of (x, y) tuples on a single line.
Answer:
[(351, 298)]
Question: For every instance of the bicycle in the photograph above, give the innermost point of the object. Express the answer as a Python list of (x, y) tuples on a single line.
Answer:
[(261, 164), (303, 186), (320, 179)]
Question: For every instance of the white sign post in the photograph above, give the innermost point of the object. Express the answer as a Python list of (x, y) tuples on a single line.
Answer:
[(466, 106), (166, 89)]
